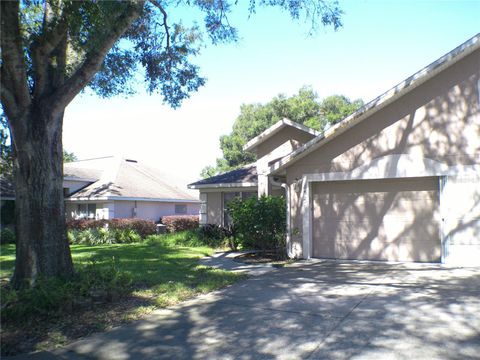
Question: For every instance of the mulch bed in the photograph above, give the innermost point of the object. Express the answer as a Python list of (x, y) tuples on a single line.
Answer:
[(261, 258), (48, 333)]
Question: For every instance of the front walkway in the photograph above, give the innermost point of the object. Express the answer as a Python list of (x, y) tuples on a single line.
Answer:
[(224, 260)]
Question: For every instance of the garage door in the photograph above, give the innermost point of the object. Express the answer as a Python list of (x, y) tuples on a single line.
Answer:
[(394, 220), (461, 204)]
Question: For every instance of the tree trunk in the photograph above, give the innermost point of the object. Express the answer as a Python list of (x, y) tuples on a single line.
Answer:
[(42, 248)]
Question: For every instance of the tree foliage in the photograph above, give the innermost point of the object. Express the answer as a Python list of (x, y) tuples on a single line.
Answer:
[(69, 156), (6, 153), (304, 108), (51, 50)]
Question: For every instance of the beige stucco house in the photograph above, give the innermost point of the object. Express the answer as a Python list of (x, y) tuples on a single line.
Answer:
[(398, 180), (252, 180), (113, 187)]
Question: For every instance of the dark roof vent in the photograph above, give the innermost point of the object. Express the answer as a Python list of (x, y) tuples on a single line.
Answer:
[(131, 160)]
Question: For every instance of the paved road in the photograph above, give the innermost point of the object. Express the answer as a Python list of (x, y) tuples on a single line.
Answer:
[(321, 310)]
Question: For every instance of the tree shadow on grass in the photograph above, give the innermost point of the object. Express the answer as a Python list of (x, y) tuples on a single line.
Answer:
[(162, 276)]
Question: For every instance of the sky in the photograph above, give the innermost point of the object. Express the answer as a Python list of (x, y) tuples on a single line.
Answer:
[(381, 43)]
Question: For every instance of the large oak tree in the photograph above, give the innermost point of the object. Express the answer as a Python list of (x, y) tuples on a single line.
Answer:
[(51, 50)]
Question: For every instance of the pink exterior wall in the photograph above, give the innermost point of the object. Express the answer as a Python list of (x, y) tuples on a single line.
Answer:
[(151, 210), (148, 210)]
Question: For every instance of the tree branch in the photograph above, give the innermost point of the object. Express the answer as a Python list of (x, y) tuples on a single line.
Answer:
[(53, 36), (14, 75), (62, 96), (8, 101), (165, 25)]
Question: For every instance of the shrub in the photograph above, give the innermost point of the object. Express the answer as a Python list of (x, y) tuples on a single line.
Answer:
[(127, 236), (50, 297), (191, 238), (7, 236), (103, 236), (140, 226), (177, 223), (260, 223), (218, 236)]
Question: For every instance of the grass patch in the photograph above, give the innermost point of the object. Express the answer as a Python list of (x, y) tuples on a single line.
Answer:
[(158, 272)]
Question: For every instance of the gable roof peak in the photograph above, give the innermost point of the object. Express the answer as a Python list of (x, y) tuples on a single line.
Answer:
[(272, 130)]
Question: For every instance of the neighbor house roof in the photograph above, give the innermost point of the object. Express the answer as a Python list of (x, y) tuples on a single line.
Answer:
[(80, 174), (380, 102), (125, 179), (275, 128), (243, 177)]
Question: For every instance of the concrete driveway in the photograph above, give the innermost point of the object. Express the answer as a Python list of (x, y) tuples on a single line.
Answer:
[(319, 310)]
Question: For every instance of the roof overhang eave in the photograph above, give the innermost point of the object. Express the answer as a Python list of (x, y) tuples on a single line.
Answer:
[(130, 198), (223, 185)]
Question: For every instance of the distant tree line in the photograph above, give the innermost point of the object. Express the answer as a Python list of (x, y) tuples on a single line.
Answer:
[(305, 108)]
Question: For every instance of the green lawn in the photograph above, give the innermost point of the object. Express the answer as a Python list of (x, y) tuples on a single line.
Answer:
[(163, 274), (168, 272)]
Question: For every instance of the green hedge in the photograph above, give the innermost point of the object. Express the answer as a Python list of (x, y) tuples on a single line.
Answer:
[(176, 223), (260, 223)]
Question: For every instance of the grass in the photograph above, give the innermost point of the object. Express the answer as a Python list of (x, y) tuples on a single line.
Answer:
[(163, 273)]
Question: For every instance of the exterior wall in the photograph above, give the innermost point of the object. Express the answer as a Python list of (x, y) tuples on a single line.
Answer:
[(439, 120), (150, 210), (155, 210), (264, 185), (286, 134), (124, 209), (203, 218), (214, 208)]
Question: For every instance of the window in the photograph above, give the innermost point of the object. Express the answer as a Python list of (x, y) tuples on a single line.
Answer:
[(180, 209), (248, 195), (229, 196), (86, 211)]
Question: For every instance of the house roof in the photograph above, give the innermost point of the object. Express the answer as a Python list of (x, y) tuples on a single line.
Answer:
[(80, 174), (380, 102), (124, 179), (243, 177), (7, 189), (275, 128)]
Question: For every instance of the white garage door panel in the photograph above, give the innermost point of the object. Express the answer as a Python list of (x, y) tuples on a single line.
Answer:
[(392, 220)]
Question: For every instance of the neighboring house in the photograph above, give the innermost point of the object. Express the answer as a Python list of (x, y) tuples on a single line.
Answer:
[(398, 180), (111, 187)]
